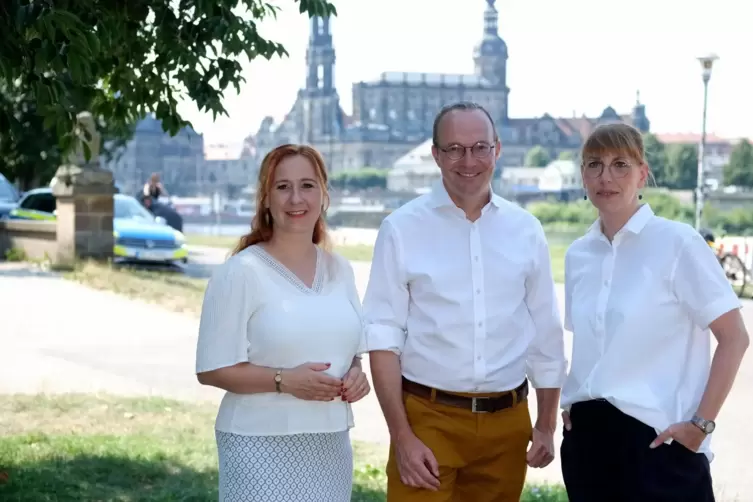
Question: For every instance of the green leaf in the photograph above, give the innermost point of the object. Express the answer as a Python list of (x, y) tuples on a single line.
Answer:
[(105, 57), (49, 121), (93, 43)]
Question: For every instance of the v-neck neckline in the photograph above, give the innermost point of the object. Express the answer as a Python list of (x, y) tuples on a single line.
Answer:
[(289, 275)]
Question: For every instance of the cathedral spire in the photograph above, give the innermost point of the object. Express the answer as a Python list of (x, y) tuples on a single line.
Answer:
[(320, 55), (491, 21), (490, 57)]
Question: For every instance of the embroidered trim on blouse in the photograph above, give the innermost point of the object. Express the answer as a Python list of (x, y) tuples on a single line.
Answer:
[(293, 279)]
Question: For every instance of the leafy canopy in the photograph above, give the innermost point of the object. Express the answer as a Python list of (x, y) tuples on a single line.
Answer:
[(122, 59)]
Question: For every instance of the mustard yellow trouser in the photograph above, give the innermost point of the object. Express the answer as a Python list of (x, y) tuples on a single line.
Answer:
[(481, 456)]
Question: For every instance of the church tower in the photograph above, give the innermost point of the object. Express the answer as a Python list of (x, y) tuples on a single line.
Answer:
[(321, 103), (639, 118), (490, 58)]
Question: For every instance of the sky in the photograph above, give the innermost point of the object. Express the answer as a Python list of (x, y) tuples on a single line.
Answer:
[(565, 58)]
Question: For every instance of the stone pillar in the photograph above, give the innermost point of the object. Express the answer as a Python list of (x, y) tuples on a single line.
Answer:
[(84, 192)]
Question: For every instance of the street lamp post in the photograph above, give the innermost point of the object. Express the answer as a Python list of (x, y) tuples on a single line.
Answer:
[(706, 64)]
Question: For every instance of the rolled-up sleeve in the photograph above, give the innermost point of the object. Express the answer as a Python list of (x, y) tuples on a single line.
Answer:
[(700, 283), (229, 302), (385, 304), (546, 363)]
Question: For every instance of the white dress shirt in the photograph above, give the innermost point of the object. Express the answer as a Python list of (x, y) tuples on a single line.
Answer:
[(639, 310), (255, 310), (469, 306)]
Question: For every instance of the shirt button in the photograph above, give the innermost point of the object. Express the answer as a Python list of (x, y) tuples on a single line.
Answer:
[(478, 358), (475, 258), (478, 291), (480, 324), (606, 282)]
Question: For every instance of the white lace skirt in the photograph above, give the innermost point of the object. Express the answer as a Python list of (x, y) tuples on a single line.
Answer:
[(295, 468)]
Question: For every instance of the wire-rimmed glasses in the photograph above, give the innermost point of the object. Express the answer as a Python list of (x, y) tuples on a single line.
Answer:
[(480, 150), (595, 168)]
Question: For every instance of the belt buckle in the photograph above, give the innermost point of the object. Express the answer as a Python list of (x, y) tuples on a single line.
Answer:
[(474, 408)]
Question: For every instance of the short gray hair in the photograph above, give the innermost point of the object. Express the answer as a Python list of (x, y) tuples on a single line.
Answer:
[(462, 106)]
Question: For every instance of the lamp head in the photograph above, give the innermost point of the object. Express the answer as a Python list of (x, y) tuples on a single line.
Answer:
[(707, 62)]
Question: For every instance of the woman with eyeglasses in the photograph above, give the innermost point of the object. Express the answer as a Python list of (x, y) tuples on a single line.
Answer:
[(643, 296)]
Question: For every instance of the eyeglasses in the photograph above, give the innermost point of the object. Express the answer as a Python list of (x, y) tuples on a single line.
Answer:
[(480, 150), (594, 169)]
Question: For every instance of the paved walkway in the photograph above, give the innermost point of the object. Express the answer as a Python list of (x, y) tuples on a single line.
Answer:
[(52, 341)]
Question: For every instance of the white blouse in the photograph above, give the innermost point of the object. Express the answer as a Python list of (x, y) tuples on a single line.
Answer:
[(639, 309), (255, 310)]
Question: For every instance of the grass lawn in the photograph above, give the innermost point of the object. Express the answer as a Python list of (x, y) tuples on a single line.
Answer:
[(557, 255), (172, 290), (104, 448)]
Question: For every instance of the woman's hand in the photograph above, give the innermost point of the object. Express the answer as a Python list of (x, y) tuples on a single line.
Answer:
[(308, 382), (355, 384), (684, 433), (566, 421)]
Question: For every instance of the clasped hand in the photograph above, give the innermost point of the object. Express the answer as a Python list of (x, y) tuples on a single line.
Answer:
[(308, 381), (541, 452)]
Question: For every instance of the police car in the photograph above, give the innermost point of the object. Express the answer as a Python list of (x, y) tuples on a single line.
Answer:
[(139, 236)]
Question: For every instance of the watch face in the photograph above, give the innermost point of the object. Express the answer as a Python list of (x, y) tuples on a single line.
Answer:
[(710, 426), (278, 378)]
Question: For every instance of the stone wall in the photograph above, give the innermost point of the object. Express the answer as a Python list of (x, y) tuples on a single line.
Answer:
[(37, 240)]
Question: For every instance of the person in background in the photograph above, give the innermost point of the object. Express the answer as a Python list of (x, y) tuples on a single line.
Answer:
[(281, 333), (643, 296), (154, 187), (460, 313)]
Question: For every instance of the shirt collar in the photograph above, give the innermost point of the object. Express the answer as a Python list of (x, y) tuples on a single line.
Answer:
[(440, 197), (634, 225)]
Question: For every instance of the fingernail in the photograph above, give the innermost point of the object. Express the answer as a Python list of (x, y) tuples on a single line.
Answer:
[(652, 445)]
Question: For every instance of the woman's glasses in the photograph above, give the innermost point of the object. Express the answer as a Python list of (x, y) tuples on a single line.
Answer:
[(595, 168)]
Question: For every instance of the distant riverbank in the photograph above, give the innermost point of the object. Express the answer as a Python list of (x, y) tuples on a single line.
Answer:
[(357, 244)]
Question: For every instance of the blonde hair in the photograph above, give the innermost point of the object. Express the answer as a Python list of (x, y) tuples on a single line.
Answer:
[(262, 225), (614, 138)]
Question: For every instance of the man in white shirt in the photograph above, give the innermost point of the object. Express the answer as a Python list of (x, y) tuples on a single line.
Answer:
[(460, 314)]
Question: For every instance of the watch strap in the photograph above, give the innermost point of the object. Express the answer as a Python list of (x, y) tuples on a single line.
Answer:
[(278, 380), (701, 423)]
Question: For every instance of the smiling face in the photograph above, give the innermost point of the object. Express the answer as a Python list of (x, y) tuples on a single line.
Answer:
[(613, 168), (466, 152), (296, 196)]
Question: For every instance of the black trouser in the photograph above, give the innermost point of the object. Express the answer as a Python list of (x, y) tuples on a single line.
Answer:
[(606, 458)]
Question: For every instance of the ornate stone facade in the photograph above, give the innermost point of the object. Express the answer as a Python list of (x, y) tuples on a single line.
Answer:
[(394, 113)]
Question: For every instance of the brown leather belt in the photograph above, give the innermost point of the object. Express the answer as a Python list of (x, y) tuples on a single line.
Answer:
[(475, 404)]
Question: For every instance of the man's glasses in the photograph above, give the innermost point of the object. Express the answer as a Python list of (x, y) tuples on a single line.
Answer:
[(480, 150)]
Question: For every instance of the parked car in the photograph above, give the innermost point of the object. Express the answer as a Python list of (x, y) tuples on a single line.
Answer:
[(139, 235), (8, 197)]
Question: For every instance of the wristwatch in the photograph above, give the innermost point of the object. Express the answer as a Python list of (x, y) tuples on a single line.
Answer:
[(707, 426), (278, 380)]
